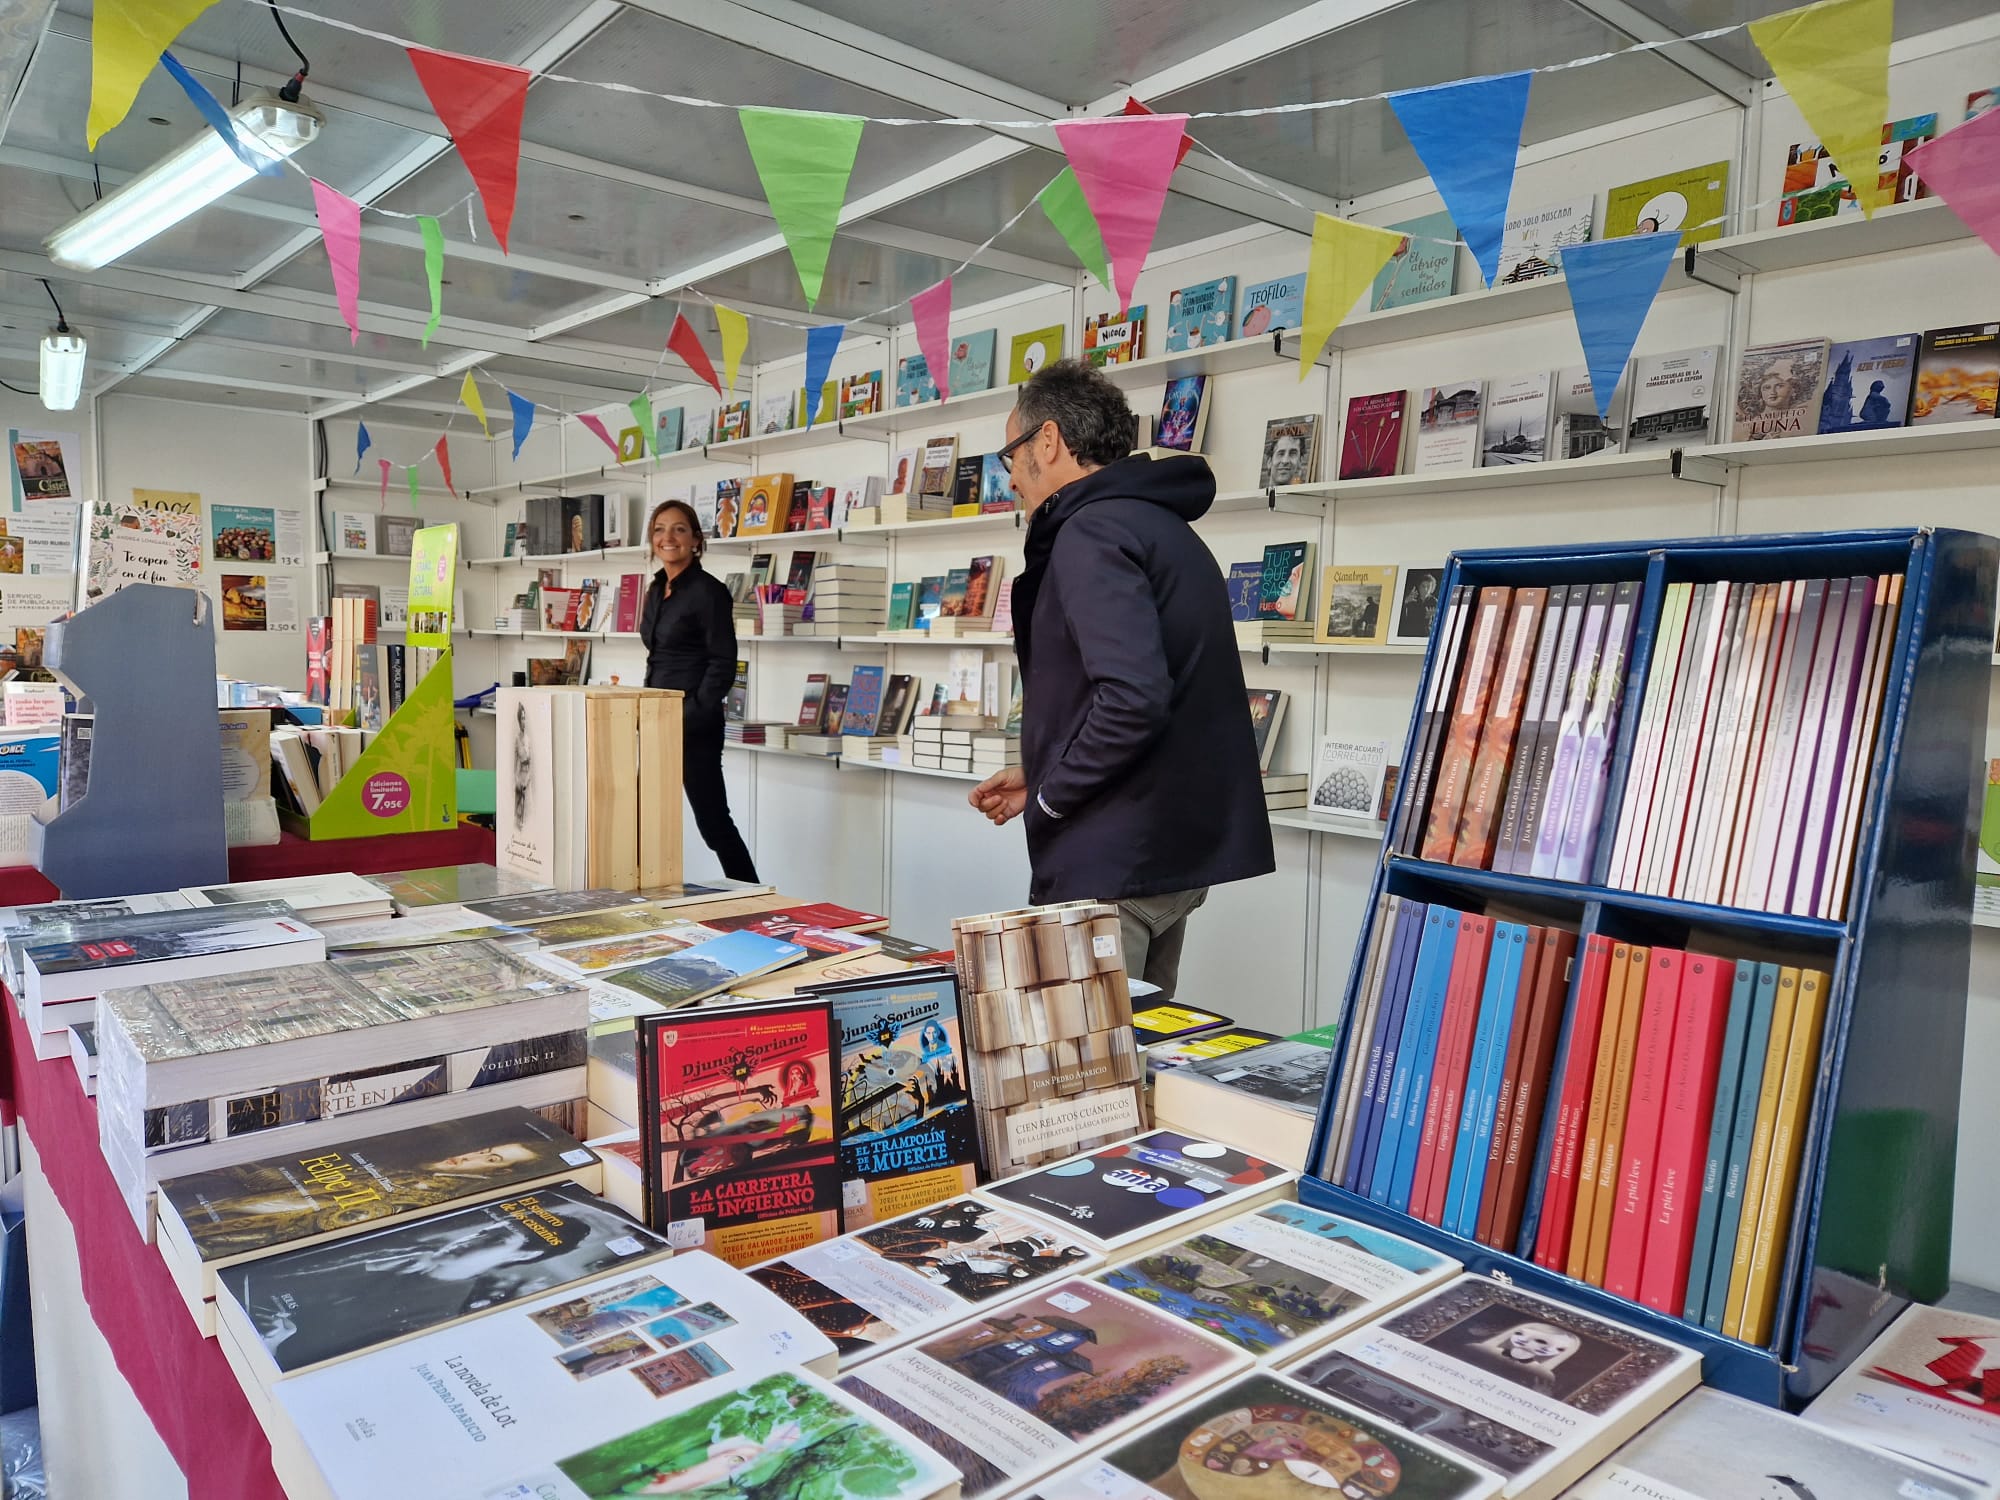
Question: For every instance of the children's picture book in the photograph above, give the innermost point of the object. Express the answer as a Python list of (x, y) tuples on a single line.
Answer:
[(1422, 267), (1371, 444), (732, 422), (1030, 351), (1269, 306), (667, 431), (1246, 587), (1291, 452), (1198, 316), (1533, 241), (1778, 389), (1115, 338), (1815, 187), (1958, 375), (1689, 203), (1183, 414), (1868, 383), (914, 384), (972, 361), (860, 395), (775, 413), (1447, 435)]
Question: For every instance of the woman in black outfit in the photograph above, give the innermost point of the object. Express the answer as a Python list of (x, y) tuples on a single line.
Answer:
[(690, 638)]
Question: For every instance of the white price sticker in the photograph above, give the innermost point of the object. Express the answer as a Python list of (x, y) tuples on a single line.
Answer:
[(1104, 945), (687, 1234), (624, 1245), (578, 1158), (1069, 1302)]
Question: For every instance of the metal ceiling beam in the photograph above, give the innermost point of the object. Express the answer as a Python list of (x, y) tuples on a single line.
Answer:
[(1710, 70)]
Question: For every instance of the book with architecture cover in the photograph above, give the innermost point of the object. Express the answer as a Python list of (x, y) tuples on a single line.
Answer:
[(1422, 267), (1018, 1392), (738, 1111), (880, 1287), (1579, 431), (1673, 398), (1778, 389), (704, 969), (1371, 444), (1447, 430), (1516, 421), (1868, 383)]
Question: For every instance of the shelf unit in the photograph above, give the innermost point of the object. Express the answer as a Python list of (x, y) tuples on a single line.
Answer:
[(1876, 1181)]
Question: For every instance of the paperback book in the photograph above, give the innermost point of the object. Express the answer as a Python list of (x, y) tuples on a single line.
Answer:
[(1516, 421), (697, 972), (1270, 1095), (1958, 375), (1291, 452), (1354, 604), (1447, 435), (1199, 316), (1269, 306), (1183, 414), (1778, 388), (972, 362), (1422, 266), (1689, 203), (1533, 241), (1579, 431), (1868, 383), (1924, 1389), (1371, 444), (1673, 398)]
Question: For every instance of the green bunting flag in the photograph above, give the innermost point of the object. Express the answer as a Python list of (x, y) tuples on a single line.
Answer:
[(1063, 201), (433, 234), (411, 470), (642, 413), (803, 160)]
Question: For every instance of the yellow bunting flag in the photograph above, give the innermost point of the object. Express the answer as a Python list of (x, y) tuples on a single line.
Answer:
[(126, 40), (1345, 257), (468, 392), (735, 329), (1833, 59)]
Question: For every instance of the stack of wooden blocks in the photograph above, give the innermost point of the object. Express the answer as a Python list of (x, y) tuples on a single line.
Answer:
[(1048, 1019)]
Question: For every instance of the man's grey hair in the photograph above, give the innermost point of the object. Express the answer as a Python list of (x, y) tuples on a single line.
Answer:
[(1091, 413)]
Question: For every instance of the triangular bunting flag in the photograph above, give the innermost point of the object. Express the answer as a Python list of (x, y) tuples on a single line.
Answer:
[(468, 392), (362, 443), (1833, 59), (126, 39), (821, 344), (433, 233), (1612, 284), (682, 340), (1122, 165), (383, 502), (1344, 259), (735, 330), (524, 420), (1062, 201), (1467, 135), (414, 479), (803, 160), (443, 451), (1134, 107), (480, 103), (642, 413), (210, 109), (1963, 167), (932, 310), (340, 227), (603, 433)]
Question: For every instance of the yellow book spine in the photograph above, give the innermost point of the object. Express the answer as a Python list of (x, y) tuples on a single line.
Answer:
[(1610, 1150), (1772, 1084), (1600, 1097), (1788, 1138)]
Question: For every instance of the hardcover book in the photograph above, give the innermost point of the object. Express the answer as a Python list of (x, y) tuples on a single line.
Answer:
[(1423, 266), (1115, 338), (1028, 353), (1958, 375), (1447, 435), (695, 973), (860, 395), (1354, 605), (1269, 306), (1868, 383), (738, 1128), (1689, 203), (1371, 444), (1673, 398), (1199, 316), (1816, 188), (1579, 431), (765, 504), (1291, 452), (667, 431), (1516, 421), (1183, 414), (1286, 581), (1778, 389), (878, 1288), (732, 422), (914, 384), (775, 413), (1533, 241)]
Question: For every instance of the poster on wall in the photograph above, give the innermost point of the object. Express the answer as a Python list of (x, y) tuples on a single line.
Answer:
[(433, 569), (40, 539), (43, 466), (29, 604), (242, 601), (257, 534), (156, 536)]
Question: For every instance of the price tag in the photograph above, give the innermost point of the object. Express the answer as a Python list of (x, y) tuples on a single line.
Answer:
[(578, 1158), (1104, 945), (624, 1245), (687, 1234)]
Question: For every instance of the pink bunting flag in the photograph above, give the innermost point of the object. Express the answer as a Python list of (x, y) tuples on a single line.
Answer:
[(597, 426), (932, 310), (444, 462), (1123, 165), (340, 227), (383, 503), (1962, 166)]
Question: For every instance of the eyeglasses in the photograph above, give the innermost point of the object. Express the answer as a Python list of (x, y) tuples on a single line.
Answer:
[(1006, 454)]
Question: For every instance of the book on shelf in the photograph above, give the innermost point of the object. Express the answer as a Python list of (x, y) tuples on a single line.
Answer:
[(1285, 584), (1019, 1391), (1517, 1383), (1185, 1051), (1673, 399), (1869, 382), (1245, 582), (1578, 430), (914, 384), (1689, 202), (1268, 307), (732, 422), (835, 718), (1695, 1450), (1347, 775), (1354, 605), (1778, 390), (1284, 791), (1418, 592), (1115, 338), (1922, 1390), (1815, 187), (1533, 240), (1958, 375), (253, 1210), (1263, 1431), (1447, 427), (882, 1286), (1422, 268), (1371, 442), (938, 472), (738, 1108), (310, 1307), (1200, 316), (1267, 717), (1269, 1095), (698, 429), (972, 361), (860, 395), (1183, 414), (1029, 352), (1515, 423), (1291, 452)]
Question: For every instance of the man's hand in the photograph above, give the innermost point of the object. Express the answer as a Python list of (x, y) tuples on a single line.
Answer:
[(1001, 796)]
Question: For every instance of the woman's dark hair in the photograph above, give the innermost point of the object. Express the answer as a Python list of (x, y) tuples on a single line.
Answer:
[(693, 520), (1091, 413)]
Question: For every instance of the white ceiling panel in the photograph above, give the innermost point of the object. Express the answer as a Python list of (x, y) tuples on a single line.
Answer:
[(335, 377), (861, 279), (319, 339), (84, 303), (250, 396), (1683, 17), (644, 329), (477, 291), (559, 384)]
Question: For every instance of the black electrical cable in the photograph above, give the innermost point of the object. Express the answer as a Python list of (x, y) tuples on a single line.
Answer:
[(290, 92), (18, 391), (62, 323)]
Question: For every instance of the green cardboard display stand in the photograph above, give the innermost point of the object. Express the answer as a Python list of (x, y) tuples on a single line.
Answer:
[(406, 780)]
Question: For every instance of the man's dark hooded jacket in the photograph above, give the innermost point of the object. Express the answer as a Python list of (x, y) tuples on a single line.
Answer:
[(1135, 729)]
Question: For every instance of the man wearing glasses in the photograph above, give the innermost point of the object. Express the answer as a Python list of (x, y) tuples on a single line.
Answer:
[(1139, 780)]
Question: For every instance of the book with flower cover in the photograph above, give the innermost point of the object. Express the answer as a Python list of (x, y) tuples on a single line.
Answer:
[(1371, 443)]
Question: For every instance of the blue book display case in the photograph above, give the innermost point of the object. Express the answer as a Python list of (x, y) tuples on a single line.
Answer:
[(1871, 1230)]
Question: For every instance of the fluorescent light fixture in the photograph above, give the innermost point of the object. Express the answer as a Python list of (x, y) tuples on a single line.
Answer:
[(62, 369), (192, 178)]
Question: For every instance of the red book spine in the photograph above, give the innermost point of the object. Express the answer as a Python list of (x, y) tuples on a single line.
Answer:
[(1460, 737), (1572, 1104), (1447, 1090), (1531, 1092), (1701, 1017), (1528, 996), (1639, 1151)]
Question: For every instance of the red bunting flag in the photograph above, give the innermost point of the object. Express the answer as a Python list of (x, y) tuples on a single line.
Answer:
[(444, 462), (480, 104), (1134, 107), (683, 342)]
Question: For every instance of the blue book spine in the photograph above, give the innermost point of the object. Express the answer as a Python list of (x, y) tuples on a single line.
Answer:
[(1395, 983), (1729, 1211), (1388, 1031), (1475, 1145), (1433, 960), (1729, 1072), (1422, 1050)]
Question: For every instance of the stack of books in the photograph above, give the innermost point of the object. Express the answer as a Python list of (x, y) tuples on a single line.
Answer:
[(993, 751), (754, 732), (967, 599), (1283, 790), (847, 599), (336, 897), (207, 1073), (948, 743), (774, 615), (1268, 1094)]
